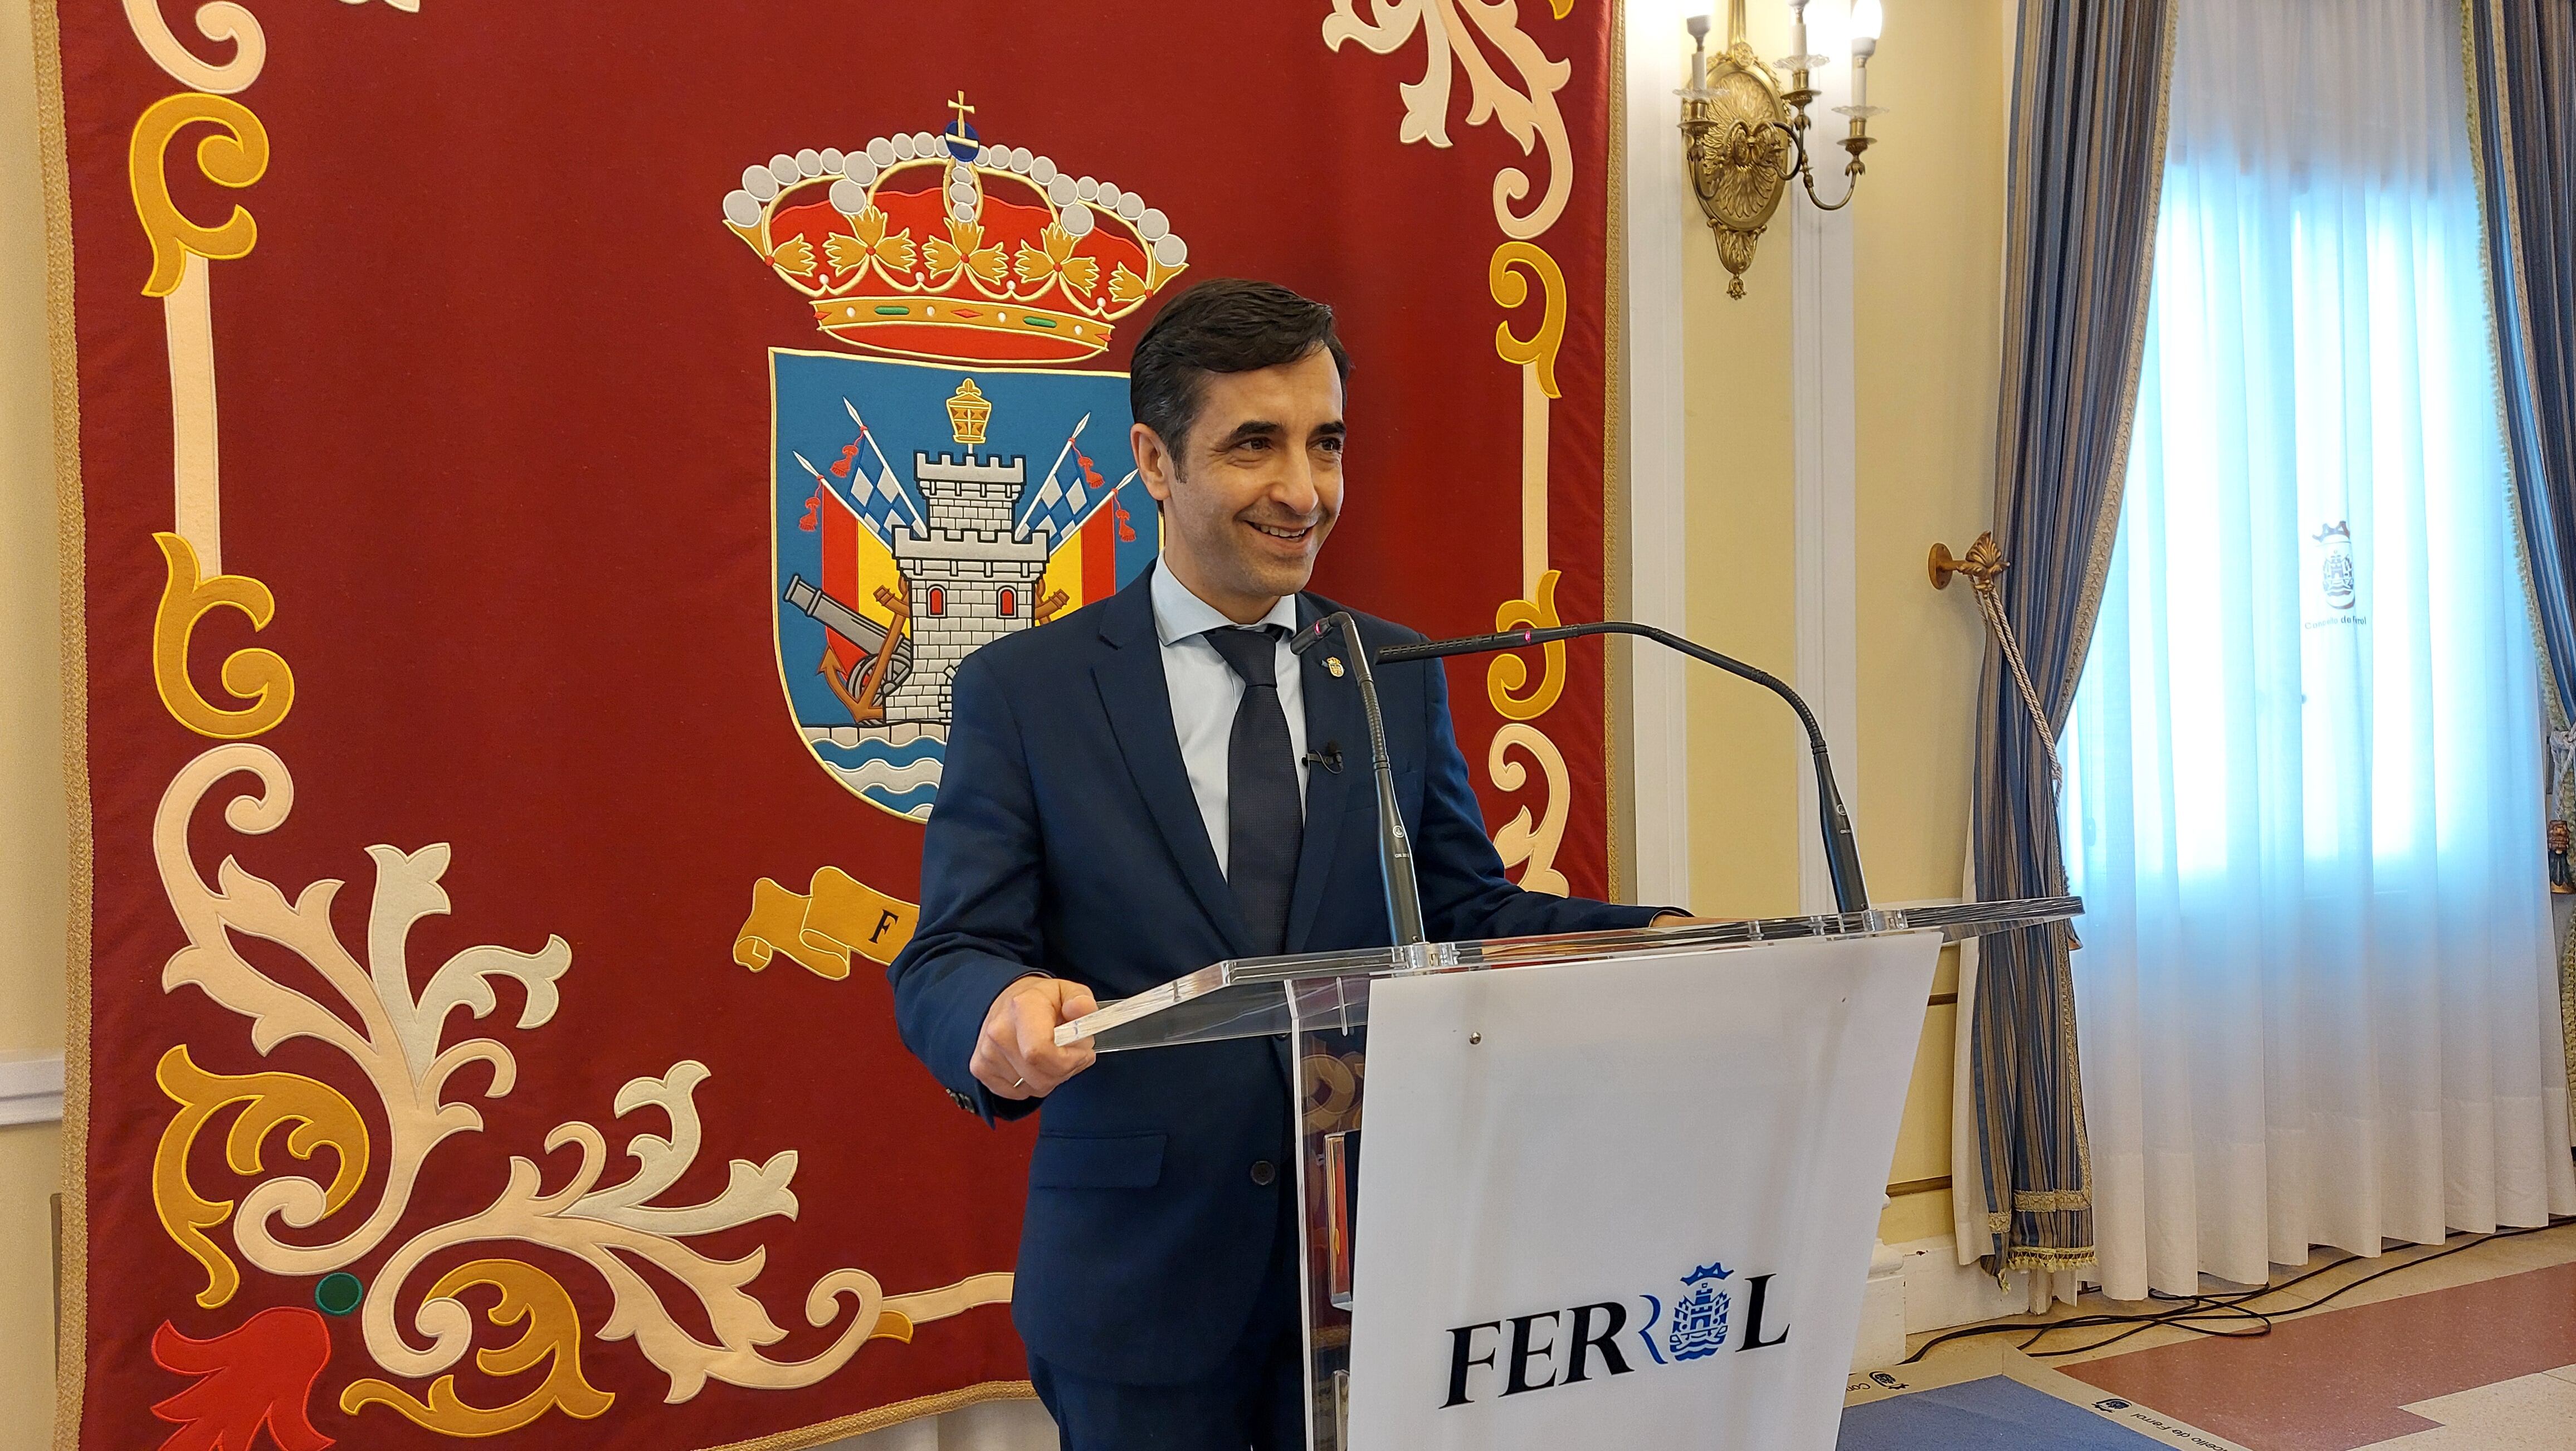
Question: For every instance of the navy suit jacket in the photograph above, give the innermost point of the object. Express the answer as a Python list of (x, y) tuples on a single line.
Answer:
[(1067, 842)]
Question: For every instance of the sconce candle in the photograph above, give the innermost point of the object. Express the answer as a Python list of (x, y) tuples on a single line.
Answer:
[(1867, 20)]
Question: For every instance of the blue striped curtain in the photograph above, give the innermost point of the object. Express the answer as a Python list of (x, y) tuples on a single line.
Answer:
[(2521, 57), (2087, 159)]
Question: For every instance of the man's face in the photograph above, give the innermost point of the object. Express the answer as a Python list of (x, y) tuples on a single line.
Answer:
[(1250, 494)]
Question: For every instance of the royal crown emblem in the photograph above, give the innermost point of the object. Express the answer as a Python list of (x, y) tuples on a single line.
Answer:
[(937, 245), (935, 498)]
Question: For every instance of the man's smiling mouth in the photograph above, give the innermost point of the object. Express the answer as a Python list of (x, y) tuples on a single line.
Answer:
[(1275, 532)]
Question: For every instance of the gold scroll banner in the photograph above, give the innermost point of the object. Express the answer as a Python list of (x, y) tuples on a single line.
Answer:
[(835, 918)]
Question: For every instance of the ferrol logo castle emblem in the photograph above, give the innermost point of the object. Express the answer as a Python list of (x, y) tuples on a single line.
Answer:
[(1699, 1316), (944, 475), (1515, 1355)]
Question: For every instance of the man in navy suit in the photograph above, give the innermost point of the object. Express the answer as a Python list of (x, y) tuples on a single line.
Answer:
[(1130, 794)]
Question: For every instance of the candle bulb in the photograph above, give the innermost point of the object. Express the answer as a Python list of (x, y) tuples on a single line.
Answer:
[(1866, 20), (1798, 32)]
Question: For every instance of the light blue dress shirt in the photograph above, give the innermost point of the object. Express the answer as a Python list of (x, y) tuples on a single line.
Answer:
[(1205, 693)]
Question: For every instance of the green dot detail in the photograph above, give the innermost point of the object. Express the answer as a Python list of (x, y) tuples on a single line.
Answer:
[(339, 1293)]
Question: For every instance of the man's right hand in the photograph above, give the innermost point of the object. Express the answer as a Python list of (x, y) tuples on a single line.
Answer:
[(1016, 1055)]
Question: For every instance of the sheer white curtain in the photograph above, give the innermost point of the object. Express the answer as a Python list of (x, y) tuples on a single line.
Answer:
[(2302, 800)]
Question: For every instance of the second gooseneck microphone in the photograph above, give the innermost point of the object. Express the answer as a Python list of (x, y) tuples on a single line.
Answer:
[(1842, 854)]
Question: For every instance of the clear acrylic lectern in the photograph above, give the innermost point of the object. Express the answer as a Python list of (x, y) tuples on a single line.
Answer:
[(1322, 1000)]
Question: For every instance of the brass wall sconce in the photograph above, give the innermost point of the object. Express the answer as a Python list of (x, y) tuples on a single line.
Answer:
[(1744, 136)]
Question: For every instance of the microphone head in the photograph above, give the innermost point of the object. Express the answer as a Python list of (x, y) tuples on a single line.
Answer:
[(1311, 636)]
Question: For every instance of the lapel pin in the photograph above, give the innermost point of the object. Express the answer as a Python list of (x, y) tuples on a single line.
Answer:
[(1333, 663)]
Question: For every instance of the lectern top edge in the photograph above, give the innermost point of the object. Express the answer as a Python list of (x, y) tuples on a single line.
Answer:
[(1248, 997)]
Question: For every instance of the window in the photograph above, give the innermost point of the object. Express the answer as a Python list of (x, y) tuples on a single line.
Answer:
[(2303, 785), (1010, 604), (938, 600)]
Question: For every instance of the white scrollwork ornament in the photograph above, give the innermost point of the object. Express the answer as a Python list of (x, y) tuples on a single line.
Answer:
[(1462, 31), (397, 1042), (219, 21)]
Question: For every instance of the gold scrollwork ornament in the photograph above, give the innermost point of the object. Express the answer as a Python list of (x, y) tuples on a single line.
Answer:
[(1508, 674), (258, 676), (1503, 277), (553, 1339), (235, 156), (1333, 1090), (321, 1118)]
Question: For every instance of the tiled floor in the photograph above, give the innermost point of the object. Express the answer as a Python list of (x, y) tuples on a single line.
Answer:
[(2340, 1380), (2474, 1351)]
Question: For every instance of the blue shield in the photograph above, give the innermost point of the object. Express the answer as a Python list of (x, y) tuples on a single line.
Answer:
[(920, 512)]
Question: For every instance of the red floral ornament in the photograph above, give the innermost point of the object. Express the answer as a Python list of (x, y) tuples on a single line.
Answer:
[(259, 1374)]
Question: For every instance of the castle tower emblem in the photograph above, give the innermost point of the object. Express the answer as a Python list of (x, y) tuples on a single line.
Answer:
[(1699, 1316), (974, 568)]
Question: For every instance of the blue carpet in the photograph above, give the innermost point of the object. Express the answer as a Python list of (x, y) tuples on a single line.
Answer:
[(1994, 1414)]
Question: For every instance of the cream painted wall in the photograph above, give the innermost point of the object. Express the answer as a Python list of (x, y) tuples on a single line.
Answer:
[(1737, 516), (34, 885), (1927, 280), (1927, 263)]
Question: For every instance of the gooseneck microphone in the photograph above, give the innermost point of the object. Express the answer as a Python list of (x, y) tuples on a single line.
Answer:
[(1842, 854), (1394, 848)]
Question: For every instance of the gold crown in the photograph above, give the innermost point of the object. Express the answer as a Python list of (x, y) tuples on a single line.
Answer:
[(938, 245)]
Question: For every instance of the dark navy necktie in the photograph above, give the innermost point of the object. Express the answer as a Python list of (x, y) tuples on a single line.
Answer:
[(1264, 822)]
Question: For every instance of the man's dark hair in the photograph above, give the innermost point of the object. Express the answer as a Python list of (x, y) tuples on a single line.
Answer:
[(1224, 325)]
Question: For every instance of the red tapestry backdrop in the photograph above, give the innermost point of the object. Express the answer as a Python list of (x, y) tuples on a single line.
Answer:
[(537, 465)]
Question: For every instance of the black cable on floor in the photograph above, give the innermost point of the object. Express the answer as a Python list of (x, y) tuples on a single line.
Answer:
[(2228, 1306)]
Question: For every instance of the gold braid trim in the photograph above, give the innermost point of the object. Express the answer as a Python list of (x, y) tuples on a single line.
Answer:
[(1619, 811), (2106, 530), (2567, 1004), (884, 1416), (2037, 1257), (2510, 225), (2050, 1201), (71, 1345)]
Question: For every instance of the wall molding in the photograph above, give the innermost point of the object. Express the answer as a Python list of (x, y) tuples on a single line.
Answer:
[(1657, 229), (31, 1088), (1823, 411)]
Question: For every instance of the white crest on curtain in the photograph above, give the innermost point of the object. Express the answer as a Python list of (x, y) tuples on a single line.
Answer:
[(2316, 997)]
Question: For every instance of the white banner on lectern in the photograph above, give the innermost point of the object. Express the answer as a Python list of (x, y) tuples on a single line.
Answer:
[(1627, 1203)]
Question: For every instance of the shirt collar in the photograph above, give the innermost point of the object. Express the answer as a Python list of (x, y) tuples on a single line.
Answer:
[(1180, 614)]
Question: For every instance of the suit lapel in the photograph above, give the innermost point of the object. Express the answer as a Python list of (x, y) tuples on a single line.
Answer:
[(1139, 702), (1333, 716)]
